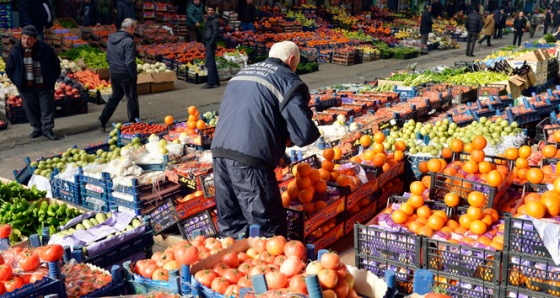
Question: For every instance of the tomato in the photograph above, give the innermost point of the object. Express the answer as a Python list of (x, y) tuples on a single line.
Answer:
[(295, 248), (51, 252), (280, 259), (341, 289), (171, 265), (291, 266), (219, 285), (13, 284), (25, 278), (350, 280), (149, 270), (233, 275), (266, 257), (5, 230), (227, 242), (327, 278), (1, 260), (28, 261), (242, 257), (245, 282), (259, 245), (258, 270), (252, 253), (232, 291), (330, 260), (165, 257), (156, 256), (205, 277), (314, 268), (186, 254), (275, 245), (2, 288), (231, 259), (220, 268), (160, 274), (138, 267), (342, 270), (276, 280), (37, 276), (245, 268), (258, 262), (297, 284)]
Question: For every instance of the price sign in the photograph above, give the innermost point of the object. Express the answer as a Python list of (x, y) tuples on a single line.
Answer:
[(201, 221), (390, 124), (187, 182), (163, 216)]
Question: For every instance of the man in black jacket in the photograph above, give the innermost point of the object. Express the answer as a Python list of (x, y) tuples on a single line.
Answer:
[(210, 42), (121, 56), (437, 9), (519, 25), (34, 68), (247, 15), (556, 21), (89, 13), (265, 107), (125, 10), (473, 24), (40, 15), (547, 20), (497, 19), (426, 25)]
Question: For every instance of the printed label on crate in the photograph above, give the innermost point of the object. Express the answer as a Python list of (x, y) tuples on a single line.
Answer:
[(194, 206), (361, 217), (361, 192), (163, 216), (322, 216), (389, 124), (331, 237), (187, 182), (202, 222)]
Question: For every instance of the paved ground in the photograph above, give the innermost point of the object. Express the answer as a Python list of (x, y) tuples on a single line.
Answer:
[(81, 129)]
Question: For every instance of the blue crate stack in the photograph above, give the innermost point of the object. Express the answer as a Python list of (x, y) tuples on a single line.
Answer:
[(5, 15)]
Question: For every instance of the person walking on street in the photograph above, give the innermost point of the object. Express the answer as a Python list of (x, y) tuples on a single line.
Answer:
[(264, 108), (426, 23), (121, 56), (556, 21), (473, 24), (247, 15), (535, 20), (33, 67), (503, 21), (210, 42), (547, 20), (40, 15), (519, 24), (195, 17), (497, 18), (125, 10), (488, 29)]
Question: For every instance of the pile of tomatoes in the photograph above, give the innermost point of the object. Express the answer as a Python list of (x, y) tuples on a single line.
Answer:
[(283, 266), (142, 128), (27, 264), (183, 253), (82, 279)]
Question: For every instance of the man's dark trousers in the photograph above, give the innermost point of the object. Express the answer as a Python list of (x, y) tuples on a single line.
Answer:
[(122, 85), (39, 108)]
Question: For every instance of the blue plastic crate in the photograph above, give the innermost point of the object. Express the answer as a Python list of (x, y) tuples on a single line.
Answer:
[(138, 199), (85, 192), (155, 167), (544, 110), (103, 182), (23, 175), (124, 250), (175, 285), (91, 149), (95, 204), (405, 92), (66, 190), (45, 286)]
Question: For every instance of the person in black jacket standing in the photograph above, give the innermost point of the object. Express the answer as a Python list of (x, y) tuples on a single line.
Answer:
[(89, 13), (247, 15), (40, 15), (34, 68), (264, 109), (503, 20), (210, 42), (556, 21), (473, 24), (519, 25), (497, 18), (426, 25), (121, 56), (547, 20), (125, 10)]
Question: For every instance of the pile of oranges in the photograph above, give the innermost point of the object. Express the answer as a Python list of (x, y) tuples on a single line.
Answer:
[(193, 121), (330, 171), (303, 187), (540, 205), (523, 173), (376, 155)]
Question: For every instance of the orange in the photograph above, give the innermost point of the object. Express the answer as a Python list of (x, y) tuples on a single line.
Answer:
[(556, 185), (417, 188), (398, 155), (441, 214), (427, 180), (465, 221), (450, 171), (525, 151), (477, 155), (434, 165), (305, 195), (398, 216), (191, 124), (435, 222), (470, 167), (484, 240), (479, 142), (314, 175), (487, 219), (343, 180), (493, 214), (478, 227), (303, 182), (327, 165), (319, 205), (457, 145), (285, 200), (379, 137), (557, 136), (378, 148), (522, 173), (328, 153), (400, 145), (446, 153), (368, 154), (200, 124), (494, 178), (415, 226), (522, 163), (303, 169), (424, 211), (337, 153), (535, 209), (451, 199), (168, 120), (535, 175), (474, 213), (476, 199), (192, 110), (551, 201), (452, 224), (549, 151), (325, 175), (334, 175), (320, 186), (379, 159), (512, 153), (468, 148), (293, 193), (416, 201), (423, 167), (426, 231), (484, 167), (407, 208), (365, 140), (497, 246), (521, 209)]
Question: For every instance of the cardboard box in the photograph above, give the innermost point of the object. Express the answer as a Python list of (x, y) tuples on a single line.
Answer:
[(531, 78), (164, 81), (144, 83), (103, 73), (516, 85)]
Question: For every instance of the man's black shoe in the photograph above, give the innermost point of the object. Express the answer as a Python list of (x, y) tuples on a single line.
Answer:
[(209, 86), (101, 125), (51, 136), (36, 134)]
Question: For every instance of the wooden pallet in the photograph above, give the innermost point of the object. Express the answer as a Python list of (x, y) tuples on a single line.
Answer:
[(343, 61)]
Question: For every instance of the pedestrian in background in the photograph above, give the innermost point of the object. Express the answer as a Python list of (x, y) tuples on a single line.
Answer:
[(547, 20), (34, 68), (519, 24), (210, 42), (264, 109), (488, 29), (497, 25), (556, 21), (40, 15), (125, 10), (437, 9), (426, 23), (450, 9), (195, 17), (247, 15), (121, 56), (473, 24), (89, 13), (503, 21)]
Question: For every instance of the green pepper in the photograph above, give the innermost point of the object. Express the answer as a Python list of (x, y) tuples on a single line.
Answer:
[(61, 210), (50, 211), (17, 222), (53, 221)]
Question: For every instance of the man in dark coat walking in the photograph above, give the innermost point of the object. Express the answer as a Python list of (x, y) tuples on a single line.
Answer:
[(519, 24), (547, 20), (34, 68), (556, 21), (473, 24), (121, 56), (210, 42), (426, 25), (497, 19), (125, 10)]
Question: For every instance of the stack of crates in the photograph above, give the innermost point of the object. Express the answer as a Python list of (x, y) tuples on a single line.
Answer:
[(5, 14), (94, 191)]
